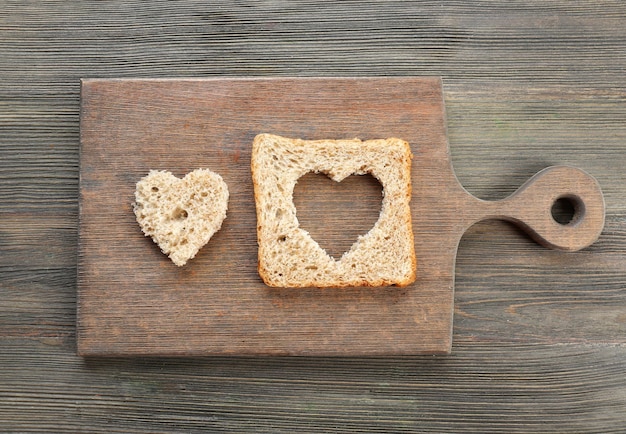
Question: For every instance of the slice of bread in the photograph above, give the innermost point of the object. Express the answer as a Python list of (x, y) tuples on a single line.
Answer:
[(288, 256), (181, 215)]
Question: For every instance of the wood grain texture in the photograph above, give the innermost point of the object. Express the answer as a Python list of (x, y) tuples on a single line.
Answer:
[(539, 335), (487, 387), (133, 300)]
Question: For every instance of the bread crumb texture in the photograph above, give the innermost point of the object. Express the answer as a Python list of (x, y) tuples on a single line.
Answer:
[(181, 215), (288, 256)]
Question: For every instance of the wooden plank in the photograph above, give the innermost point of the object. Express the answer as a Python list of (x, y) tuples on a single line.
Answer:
[(486, 387), (38, 290), (559, 298)]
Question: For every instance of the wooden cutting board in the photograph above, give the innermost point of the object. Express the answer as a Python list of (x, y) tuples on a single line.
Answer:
[(132, 300)]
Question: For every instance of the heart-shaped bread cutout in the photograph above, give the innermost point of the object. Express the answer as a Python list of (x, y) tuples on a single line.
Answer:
[(335, 213), (181, 215)]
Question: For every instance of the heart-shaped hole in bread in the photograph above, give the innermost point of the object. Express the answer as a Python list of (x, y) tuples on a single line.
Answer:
[(334, 213)]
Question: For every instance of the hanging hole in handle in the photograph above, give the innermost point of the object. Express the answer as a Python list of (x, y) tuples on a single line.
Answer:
[(567, 210)]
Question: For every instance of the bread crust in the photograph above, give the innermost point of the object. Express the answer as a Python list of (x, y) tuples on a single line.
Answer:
[(288, 256)]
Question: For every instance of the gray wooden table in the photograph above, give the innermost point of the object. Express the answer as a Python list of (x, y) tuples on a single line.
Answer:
[(539, 335)]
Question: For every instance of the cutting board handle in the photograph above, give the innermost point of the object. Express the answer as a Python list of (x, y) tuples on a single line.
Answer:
[(531, 208)]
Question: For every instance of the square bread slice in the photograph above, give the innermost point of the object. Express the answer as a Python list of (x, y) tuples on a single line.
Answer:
[(288, 256)]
